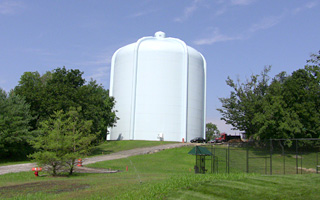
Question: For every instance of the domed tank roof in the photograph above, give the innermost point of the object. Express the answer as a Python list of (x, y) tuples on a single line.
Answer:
[(159, 42)]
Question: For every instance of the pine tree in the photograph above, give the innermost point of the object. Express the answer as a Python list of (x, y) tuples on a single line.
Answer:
[(64, 138)]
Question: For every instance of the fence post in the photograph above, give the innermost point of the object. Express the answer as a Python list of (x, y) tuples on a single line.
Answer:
[(297, 157), (212, 160), (265, 165), (228, 158), (271, 148), (317, 162), (284, 157), (247, 158), (301, 162), (215, 165)]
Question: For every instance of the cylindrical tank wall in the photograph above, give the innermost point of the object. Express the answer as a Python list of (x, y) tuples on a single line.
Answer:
[(159, 87), (196, 95), (121, 78)]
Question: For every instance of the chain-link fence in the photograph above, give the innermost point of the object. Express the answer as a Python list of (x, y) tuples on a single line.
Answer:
[(275, 156)]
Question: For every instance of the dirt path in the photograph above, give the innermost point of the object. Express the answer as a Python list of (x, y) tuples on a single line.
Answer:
[(113, 156)]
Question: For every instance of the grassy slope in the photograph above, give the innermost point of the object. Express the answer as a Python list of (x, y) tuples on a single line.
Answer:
[(163, 175), (253, 187), (10, 162), (116, 146), (104, 148)]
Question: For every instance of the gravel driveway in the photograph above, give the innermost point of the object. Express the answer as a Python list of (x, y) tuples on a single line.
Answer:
[(112, 156)]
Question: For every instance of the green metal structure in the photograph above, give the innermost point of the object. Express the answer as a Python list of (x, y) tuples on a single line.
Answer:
[(200, 153)]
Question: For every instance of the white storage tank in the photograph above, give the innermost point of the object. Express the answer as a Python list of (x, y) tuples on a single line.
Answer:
[(159, 85)]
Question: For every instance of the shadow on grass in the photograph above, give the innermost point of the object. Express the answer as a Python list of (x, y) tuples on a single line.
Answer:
[(51, 186)]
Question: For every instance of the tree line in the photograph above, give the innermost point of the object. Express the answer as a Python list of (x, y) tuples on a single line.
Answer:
[(285, 106), (33, 110)]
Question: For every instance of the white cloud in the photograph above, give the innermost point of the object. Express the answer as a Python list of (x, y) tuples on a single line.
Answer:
[(221, 11), (4, 85), (220, 1), (308, 5), (143, 13), (271, 21), (241, 2), (101, 75), (216, 37), (188, 11), (98, 68), (9, 7), (2, 81), (223, 5), (38, 51), (99, 59), (266, 23), (311, 4)]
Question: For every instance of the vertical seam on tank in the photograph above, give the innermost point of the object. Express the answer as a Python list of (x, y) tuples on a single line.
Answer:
[(111, 83), (186, 82), (134, 85), (112, 71), (187, 89), (205, 96)]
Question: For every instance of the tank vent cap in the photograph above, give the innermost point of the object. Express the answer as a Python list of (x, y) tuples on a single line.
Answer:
[(160, 34)]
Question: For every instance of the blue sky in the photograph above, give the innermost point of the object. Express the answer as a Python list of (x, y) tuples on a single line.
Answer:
[(237, 37)]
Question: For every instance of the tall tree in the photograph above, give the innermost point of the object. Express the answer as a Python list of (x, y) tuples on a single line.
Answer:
[(244, 102), (211, 131), (62, 89), (276, 120), (31, 87), (77, 137), (97, 106), (14, 125), (289, 107), (301, 93)]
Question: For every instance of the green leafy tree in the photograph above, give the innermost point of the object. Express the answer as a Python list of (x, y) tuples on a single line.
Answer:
[(31, 87), (62, 89), (276, 120), (78, 138), (244, 102), (14, 125), (289, 107), (97, 106), (212, 131), (301, 93), (64, 138)]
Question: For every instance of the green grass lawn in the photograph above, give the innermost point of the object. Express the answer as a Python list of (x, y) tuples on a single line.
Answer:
[(167, 174), (105, 148), (116, 146), (244, 187), (11, 162)]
